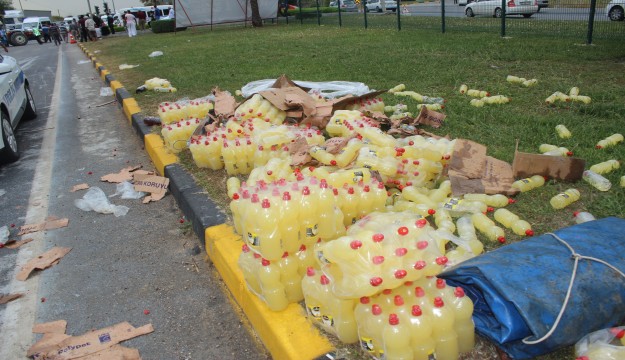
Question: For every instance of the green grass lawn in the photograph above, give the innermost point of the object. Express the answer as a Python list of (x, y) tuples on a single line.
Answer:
[(429, 63)]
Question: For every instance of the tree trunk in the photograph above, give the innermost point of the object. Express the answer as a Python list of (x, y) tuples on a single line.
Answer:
[(256, 19)]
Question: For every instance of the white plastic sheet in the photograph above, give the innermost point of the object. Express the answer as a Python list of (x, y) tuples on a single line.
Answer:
[(127, 191), (155, 54), (106, 91), (327, 89), (96, 200)]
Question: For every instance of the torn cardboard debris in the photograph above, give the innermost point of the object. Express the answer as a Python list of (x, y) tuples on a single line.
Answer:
[(152, 197), (48, 225), (151, 183), (124, 175), (79, 187), (472, 172), (430, 117), (225, 103), (10, 297), (39, 349), (86, 346), (12, 244), (115, 352), (299, 152), (58, 327), (42, 261), (563, 168)]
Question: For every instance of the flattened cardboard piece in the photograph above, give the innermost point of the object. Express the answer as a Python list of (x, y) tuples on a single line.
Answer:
[(48, 225), (468, 159), (58, 327), (153, 184), (10, 297), (431, 118), (289, 98), (225, 104), (39, 349), (153, 197), (299, 152), (554, 167), (124, 175), (115, 352), (335, 145), (142, 172), (343, 102), (284, 81), (94, 341), (296, 97), (42, 261), (12, 244), (471, 171), (79, 187)]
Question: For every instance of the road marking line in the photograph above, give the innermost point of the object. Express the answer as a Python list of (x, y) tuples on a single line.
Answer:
[(19, 316)]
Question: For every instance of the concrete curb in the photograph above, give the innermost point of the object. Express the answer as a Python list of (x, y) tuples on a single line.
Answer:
[(286, 334)]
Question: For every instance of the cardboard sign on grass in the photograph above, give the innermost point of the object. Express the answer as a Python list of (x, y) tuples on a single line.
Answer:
[(472, 172), (153, 184), (430, 118), (563, 168)]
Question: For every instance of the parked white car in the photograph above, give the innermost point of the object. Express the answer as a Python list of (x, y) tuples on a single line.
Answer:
[(527, 8), (16, 103), (376, 5), (615, 10)]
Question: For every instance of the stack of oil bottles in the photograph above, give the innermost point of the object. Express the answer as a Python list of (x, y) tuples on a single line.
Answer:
[(361, 237)]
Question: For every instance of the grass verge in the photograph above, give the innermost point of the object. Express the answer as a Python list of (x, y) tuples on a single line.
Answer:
[(428, 62)]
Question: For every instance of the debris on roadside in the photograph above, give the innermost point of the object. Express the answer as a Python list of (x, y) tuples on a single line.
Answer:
[(95, 200), (14, 244), (82, 186), (126, 174), (96, 344), (9, 297), (42, 262), (47, 225), (126, 66)]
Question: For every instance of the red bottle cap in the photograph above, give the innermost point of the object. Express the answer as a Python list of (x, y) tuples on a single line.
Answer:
[(438, 302), (393, 319), (400, 274), (501, 239), (431, 211), (378, 237), (419, 265), (265, 262), (364, 300), (416, 310), (529, 232), (375, 281), (310, 271), (306, 191), (402, 231), (401, 251), (419, 292), (324, 280), (245, 248), (459, 292), (422, 244), (286, 196), (265, 204), (350, 191), (441, 260), (422, 222), (378, 259), (387, 291), (285, 255), (398, 300), (235, 196), (355, 244), (440, 283), (376, 309)]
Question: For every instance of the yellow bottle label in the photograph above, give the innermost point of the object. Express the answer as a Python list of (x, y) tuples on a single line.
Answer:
[(312, 231), (314, 311), (253, 239), (327, 320), (367, 344), (358, 176), (452, 204)]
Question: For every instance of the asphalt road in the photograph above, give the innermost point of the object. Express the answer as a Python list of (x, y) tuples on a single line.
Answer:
[(118, 267)]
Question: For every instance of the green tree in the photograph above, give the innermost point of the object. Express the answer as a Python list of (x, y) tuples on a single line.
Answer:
[(6, 5)]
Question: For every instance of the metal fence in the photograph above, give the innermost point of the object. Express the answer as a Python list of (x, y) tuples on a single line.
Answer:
[(582, 19)]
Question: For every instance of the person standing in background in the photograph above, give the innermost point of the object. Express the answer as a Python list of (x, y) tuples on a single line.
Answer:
[(45, 29), (73, 29), (90, 25), (141, 17), (157, 12), (131, 24), (64, 31), (111, 22), (84, 34), (55, 34)]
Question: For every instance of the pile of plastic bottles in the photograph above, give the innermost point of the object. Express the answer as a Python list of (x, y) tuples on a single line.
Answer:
[(185, 109)]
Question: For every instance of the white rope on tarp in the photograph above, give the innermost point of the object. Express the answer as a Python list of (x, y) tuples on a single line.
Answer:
[(577, 258)]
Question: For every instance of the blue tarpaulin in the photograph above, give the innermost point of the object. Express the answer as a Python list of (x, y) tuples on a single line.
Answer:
[(519, 289)]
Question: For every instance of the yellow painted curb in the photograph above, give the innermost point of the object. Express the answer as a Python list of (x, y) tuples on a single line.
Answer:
[(97, 65), (288, 335), (103, 74), (115, 85), (155, 147), (130, 107)]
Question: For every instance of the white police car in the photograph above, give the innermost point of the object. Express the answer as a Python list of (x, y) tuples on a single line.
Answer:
[(16, 103)]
